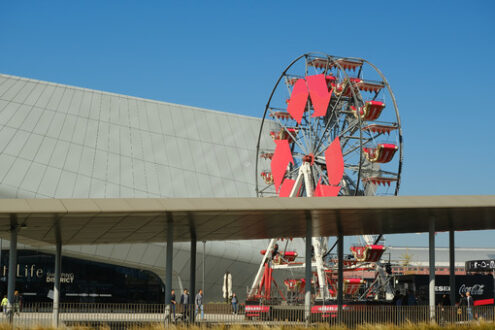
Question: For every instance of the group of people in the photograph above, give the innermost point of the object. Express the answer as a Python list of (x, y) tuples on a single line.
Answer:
[(468, 302), (198, 304), (186, 302), (407, 299), (16, 304)]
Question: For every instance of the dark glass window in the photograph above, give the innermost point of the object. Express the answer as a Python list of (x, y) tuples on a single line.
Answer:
[(81, 280)]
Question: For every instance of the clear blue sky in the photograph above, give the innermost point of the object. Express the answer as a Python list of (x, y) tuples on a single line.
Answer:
[(226, 55)]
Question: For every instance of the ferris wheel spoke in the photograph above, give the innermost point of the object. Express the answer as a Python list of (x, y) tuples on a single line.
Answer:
[(351, 126), (266, 187), (317, 134), (376, 95), (389, 172), (372, 138), (315, 127), (353, 168), (326, 137), (287, 84), (323, 177), (324, 129), (325, 142), (278, 121), (292, 171), (353, 148), (296, 154), (327, 126), (348, 180), (305, 137), (356, 146), (352, 129), (350, 137)]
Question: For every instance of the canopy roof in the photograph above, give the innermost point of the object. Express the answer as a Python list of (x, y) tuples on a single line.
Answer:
[(96, 221)]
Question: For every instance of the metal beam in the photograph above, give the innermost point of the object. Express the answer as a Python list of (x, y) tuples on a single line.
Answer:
[(452, 266), (169, 263), (308, 274), (56, 283), (192, 270), (431, 247), (12, 263), (204, 270)]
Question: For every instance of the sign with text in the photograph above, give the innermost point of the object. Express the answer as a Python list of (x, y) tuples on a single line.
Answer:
[(480, 266)]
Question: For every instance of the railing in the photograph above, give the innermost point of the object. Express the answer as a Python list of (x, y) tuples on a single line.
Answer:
[(136, 315)]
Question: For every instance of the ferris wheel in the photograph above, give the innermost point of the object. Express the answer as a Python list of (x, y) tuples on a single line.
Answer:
[(335, 131), (331, 127)]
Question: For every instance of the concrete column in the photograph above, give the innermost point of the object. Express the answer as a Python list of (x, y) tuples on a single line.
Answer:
[(56, 284), (340, 274), (169, 263), (12, 266), (309, 274), (431, 248), (204, 270), (452, 266), (192, 274)]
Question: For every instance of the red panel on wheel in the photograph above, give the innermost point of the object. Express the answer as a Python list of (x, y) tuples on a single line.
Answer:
[(286, 188), (281, 158), (323, 190), (320, 96), (298, 99), (335, 162)]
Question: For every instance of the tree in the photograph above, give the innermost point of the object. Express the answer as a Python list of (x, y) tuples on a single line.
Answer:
[(406, 258)]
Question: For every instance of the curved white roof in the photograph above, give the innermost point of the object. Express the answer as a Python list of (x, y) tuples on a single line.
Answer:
[(59, 141)]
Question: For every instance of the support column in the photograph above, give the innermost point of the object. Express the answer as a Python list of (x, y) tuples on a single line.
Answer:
[(56, 284), (431, 248), (12, 266), (204, 269), (192, 275), (452, 266), (168, 265), (340, 275), (308, 275), (192, 270)]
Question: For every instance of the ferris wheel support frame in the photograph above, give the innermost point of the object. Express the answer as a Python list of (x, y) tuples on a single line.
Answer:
[(303, 175)]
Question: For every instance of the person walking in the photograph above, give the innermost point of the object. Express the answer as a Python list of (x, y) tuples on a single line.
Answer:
[(443, 305), (469, 304), (397, 302), (411, 298), (460, 307), (17, 305), (234, 303), (184, 300), (198, 301), (173, 302), (5, 305)]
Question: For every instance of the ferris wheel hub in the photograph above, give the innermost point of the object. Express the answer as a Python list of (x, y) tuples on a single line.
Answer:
[(309, 159)]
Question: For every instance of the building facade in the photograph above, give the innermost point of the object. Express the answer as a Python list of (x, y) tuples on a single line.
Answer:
[(59, 141)]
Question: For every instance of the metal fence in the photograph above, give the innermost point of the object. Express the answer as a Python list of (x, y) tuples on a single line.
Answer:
[(122, 316)]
